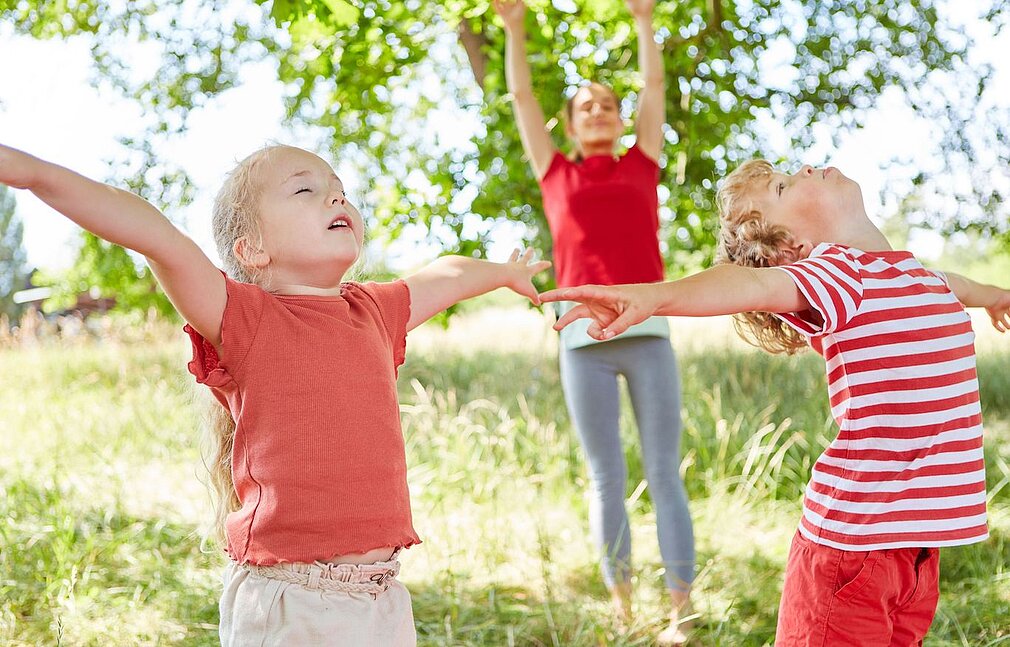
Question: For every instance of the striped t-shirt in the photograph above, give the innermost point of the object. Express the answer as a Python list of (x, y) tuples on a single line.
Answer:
[(906, 469)]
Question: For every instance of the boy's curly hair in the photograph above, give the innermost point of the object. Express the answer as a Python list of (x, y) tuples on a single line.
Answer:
[(745, 238)]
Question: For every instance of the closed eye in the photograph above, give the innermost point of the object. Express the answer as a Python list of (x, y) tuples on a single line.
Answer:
[(780, 187), (303, 190)]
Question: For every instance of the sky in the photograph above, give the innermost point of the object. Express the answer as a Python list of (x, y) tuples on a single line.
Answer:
[(49, 108)]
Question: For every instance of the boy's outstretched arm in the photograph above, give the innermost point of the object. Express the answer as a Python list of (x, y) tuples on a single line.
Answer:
[(451, 279), (973, 294), (721, 290), (191, 281)]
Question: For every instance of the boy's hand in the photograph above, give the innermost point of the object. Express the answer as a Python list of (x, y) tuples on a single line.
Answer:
[(519, 270), (17, 168), (640, 8), (512, 12), (999, 311), (613, 308)]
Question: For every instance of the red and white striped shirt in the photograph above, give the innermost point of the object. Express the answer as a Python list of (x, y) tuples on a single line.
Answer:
[(906, 469)]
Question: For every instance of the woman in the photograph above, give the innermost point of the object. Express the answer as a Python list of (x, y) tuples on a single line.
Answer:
[(603, 214)]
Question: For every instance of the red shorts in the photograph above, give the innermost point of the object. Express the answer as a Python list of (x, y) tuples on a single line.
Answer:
[(837, 598)]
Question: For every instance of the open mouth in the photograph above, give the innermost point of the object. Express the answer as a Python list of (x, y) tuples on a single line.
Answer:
[(340, 222)]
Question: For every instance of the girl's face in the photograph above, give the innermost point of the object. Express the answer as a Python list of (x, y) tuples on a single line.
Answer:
[(310, 233), (596, 117)]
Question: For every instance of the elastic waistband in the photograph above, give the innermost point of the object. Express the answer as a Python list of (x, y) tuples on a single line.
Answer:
[(358, 578)]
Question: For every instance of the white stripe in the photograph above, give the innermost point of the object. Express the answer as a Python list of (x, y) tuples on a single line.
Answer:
[(908, 301), (931, 460), (890, 485), (913, 419), (916, 372), (908, 444), (904, 325), (901, 505), (930, 525), (831, 269), (914, 543), (922, 348), (902, 281), (819, 299)]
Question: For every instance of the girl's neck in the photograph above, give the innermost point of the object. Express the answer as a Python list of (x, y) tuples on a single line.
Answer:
[(317, 286)]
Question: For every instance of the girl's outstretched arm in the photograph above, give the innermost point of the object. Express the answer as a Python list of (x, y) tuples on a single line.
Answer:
[(451, 279), (191, 281), (536, 140), (720, 290), (652, 99), (973, 294)]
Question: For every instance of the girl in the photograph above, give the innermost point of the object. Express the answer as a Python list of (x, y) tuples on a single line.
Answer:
[(588, 201), (311, 467), (905, 475)]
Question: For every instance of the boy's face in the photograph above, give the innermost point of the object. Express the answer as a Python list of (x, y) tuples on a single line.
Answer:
[(815, 205)]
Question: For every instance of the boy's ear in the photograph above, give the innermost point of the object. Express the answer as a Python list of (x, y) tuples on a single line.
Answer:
[(250, 254), (797, 250)]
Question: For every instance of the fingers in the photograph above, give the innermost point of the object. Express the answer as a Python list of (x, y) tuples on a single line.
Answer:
[(582, 293), (578, 312), (514, 256), (1000, 320), (627, 319), (539, 266)]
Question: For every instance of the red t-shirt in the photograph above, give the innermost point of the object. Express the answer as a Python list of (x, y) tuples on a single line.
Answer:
[(604, 218), (318, 460)]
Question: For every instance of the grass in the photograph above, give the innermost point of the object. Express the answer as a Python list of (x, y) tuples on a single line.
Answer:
[(103, 509)]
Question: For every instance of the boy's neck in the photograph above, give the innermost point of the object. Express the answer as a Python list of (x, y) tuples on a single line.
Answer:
[(862, 234)]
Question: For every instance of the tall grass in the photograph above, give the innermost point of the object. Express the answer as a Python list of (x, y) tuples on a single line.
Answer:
[(102, 507)]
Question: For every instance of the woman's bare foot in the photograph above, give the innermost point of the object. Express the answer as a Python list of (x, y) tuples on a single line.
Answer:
[(620, 598), (681, 623)]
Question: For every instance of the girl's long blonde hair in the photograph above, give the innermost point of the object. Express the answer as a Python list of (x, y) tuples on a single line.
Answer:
[(234, 217), (746, 238)]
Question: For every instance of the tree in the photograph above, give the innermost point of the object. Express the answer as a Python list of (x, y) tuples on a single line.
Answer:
[(13, 259), (381, 75)]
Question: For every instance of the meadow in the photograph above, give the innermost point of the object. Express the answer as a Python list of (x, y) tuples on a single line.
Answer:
[(103, 509)]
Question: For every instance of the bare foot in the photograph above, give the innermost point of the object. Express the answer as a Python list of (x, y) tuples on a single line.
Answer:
[(681, 620), (620, 598), (672, 636)]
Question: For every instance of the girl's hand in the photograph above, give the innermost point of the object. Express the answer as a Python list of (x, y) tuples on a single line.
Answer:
[(641, 8), (520, 269), (613, 308), (17, 168), (512, 12), (999, 312)]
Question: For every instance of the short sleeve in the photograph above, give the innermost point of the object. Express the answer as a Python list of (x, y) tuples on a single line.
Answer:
[(393, 301), (830, 281), (558, 162), (239, 324), (636, 156)]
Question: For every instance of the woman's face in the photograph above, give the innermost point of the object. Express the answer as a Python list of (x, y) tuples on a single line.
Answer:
[(595, 117)]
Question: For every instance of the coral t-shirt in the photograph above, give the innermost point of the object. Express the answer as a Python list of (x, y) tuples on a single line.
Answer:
[(318, 459), (604, 218)]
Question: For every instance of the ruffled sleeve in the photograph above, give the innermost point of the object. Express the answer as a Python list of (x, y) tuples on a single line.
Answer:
[(239, 325)]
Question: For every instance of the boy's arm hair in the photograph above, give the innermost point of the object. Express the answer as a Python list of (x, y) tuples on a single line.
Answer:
[(195, 287), (973, 294), (720, 290), (652, 100), (529, 115), (451, 279)]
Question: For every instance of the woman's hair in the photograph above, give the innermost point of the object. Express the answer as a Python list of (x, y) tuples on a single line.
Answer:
[(234, 217), (746, 238), (576, 154)]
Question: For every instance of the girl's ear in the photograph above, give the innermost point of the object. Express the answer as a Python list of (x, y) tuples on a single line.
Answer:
[(250, 254)]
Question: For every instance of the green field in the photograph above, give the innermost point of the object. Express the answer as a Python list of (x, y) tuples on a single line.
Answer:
[(103, 508)]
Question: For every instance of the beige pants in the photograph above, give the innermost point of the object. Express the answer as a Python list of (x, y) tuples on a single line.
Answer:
[(315, 604)]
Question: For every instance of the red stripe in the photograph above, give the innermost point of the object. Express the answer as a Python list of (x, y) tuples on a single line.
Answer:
[(887, 497), (914, 431), (896, 515), (911, 408), (898, 476), (907, 455), (900, 361)]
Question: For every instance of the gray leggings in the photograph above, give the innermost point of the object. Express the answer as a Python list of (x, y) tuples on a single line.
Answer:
[(589, 378)]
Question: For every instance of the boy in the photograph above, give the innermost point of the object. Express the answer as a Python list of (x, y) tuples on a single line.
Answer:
[(803, 264)]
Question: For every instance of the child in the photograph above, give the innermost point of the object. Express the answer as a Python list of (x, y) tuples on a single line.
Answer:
[(584, 198), (905, 474), (312, 470)]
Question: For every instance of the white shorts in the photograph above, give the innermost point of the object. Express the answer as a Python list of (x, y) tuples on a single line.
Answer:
[(315, 604)]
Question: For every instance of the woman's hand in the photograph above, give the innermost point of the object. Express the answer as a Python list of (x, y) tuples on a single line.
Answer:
[(512, 12), (641, 8)]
